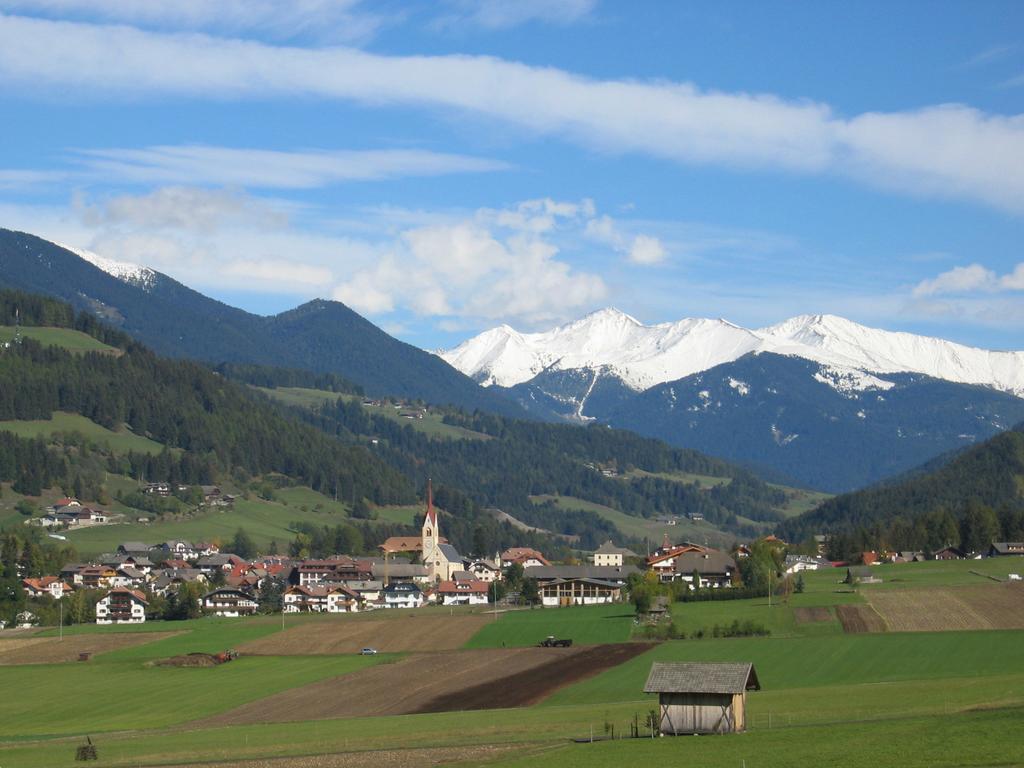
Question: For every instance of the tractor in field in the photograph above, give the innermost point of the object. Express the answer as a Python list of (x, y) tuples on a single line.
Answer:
[(552, 642)]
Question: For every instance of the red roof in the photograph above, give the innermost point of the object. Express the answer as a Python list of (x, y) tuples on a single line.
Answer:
[(522, 554), (470, 587)]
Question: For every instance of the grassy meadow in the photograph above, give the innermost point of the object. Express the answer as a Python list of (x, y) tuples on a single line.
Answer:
[(66, 338), (431, 424), (122, 440), (584, 625)]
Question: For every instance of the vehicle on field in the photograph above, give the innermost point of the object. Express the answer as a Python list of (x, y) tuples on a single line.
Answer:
[(368, 652), (552, 642)]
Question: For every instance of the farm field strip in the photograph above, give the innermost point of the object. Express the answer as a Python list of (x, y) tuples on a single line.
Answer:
[(410, 632), (860, 618), (52, 650), (989, 606)]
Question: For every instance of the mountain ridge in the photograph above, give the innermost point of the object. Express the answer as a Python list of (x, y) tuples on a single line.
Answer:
[(647, 355), (175, 320)]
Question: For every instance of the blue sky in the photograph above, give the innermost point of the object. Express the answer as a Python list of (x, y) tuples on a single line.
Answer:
[(444, 167)]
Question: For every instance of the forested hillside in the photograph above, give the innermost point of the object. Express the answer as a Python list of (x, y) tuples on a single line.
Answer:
[(215, 423), (523, 459), (971, 500)]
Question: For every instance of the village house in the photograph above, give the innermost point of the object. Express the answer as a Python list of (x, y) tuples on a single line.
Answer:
[(333, 599), (613, 574), (163, 490), (139, 563), (1004, 548), (609, 554), (228, 601), (64, 503), (46, 586), (214, 497), (169, 579), (526, 557), (220, 561), (701, 697), (483, 569), (369, 591), (134, 549), (579, 591), (466, 592), (949, 553), (708, 568), (122, 606), (797, 563), (180, 549), (335, 569), (663, 560), (72, 573), (127, 576), (402, 595), (97, 577)]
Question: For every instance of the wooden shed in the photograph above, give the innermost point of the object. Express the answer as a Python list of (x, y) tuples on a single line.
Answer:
[(702, 697)]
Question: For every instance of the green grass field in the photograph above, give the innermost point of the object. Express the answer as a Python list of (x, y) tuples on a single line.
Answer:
[(702, 481), (120, 441), (263, 520), (91, 698), (639, 527), (66, 338), (584, 625), (431, 424)]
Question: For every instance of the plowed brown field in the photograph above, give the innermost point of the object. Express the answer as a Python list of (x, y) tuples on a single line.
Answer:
[(52, 650), (347, 634), (984, 606), (859, 618), (437, 682), (811, 615)]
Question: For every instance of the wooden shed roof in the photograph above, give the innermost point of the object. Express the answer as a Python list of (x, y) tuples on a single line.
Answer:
[(701, 677)]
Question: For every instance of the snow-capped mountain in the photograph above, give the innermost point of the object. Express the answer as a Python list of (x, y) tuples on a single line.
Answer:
[(133, 274), (643, 356), (817, 399)]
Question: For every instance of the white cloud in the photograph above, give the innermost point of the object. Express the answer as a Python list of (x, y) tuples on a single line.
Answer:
[(279, 271), (639, 249), (338, 20), (973, 278), (946, 151), (264, 168), (502, 14), (182, 208), (647, 250), (1014, 281), (488, 267)]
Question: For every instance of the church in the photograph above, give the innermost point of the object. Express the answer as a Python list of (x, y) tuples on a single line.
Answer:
[(441, 558)]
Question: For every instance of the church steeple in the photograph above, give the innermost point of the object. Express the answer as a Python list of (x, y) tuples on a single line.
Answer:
[(431, 534)]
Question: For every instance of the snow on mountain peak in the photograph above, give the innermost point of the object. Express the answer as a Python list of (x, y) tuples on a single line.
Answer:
[(643, 356), (134, 274)]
